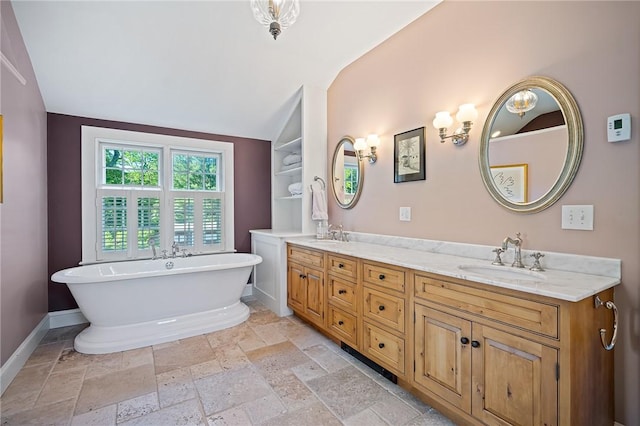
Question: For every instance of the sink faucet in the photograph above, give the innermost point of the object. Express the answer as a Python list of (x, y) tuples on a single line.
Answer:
[(517, 245)]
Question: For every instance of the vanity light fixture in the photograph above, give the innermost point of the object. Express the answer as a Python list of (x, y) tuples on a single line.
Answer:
[(361, 144), (523, 101), (466, 115), (276, 14)]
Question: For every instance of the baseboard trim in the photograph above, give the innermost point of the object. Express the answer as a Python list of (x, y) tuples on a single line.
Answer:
[(66, 318), (617, 424), (16, 361)]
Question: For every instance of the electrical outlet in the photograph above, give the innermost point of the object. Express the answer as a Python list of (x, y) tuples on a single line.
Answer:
[(405, 214), (577, 217)]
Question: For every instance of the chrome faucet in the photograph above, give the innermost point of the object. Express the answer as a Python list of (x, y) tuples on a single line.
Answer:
[(175, 249), (517, 245), (152, 243)]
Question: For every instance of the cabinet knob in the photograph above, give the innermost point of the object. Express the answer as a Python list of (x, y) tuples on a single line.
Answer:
[(340, 265), (475, 343), (464, 340), (340, 322), (381, 276), (301, 276), (381, 345), (342, 291), (381, 308)]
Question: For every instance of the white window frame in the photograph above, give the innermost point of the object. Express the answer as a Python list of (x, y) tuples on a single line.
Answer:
[(93, 137)]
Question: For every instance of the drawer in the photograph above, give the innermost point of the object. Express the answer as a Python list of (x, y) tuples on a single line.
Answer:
[(384, 276), (306, 256), (342, 265), (342, 293), (384, 308), (343, 326), (384, 348), (534, 316)]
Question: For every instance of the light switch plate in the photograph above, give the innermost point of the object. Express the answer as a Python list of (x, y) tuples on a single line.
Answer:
[(577, 217), (405, 214)]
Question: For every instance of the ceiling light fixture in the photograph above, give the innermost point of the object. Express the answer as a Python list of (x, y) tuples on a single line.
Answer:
[(276, 14), (521, 102)]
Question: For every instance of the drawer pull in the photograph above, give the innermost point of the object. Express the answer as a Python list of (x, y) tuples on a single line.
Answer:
[(475, 343), (340, 265), (381, 345), (381, 308), (464, 340), (342, 291), (381, 276), (340, 322)]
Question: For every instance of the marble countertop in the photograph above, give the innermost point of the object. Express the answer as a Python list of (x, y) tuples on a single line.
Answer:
[(559, 284)]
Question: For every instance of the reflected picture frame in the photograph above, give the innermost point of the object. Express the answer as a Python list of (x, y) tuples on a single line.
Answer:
[(512, 181), (409, 156)]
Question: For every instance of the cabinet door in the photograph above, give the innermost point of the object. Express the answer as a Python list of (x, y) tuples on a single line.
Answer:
[(295, 287), (514, 379), (314, 294), (443, 361)]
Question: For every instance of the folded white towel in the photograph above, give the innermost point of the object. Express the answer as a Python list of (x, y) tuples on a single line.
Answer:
[(295, 188), (291, 158), (319, 205), (290, 166)]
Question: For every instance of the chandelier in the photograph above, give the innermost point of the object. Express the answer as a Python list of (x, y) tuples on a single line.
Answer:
[(521, 102), (276, 14)]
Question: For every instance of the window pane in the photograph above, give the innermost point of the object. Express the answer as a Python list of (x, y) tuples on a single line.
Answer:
[(148, 221), (183, 222), (195, 172), (114, 223), (212, 221), (131, 167)]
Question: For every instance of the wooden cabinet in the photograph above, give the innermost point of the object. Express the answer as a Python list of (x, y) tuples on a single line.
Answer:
[(344, 297), (482, 355), (502, 357), (384, 316), (305, 284)]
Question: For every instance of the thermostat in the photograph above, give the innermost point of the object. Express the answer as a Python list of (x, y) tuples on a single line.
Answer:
[(619, 128)]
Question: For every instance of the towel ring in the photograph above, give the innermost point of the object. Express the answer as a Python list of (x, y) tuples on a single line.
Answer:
[(322, 182)]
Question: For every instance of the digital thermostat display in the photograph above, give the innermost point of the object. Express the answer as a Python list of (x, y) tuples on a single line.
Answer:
[(619, 128)]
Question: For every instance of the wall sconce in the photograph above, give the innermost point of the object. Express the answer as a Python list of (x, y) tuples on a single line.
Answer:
[(466, 115), (372, 142)]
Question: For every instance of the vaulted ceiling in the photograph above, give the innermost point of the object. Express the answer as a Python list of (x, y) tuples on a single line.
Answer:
[(197, 65)]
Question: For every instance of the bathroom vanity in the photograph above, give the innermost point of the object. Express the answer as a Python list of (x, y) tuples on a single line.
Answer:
[(482, 348)]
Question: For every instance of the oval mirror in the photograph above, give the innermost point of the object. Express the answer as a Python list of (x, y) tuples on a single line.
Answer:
[(347, 174), (531, 145)]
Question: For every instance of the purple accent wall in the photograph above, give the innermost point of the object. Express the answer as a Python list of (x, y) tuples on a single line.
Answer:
[(252, 167)]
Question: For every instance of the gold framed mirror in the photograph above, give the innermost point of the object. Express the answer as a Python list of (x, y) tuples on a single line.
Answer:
[(347, 174), (531, 145)]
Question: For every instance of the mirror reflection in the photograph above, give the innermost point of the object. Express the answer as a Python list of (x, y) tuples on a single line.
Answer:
[(531, 145), (528, 144), (347, 173)]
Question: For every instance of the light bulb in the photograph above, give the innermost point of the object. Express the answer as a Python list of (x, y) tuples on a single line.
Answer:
[(360, 144), (466, 112), (373, 140), (443, 120)]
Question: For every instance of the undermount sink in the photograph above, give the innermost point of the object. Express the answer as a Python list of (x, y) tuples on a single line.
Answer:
[(504, 272)]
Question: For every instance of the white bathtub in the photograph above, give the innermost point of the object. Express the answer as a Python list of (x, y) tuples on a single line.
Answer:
[(146, 302)]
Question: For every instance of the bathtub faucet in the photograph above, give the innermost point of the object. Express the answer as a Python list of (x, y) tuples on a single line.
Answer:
[(175, 249), (152, 243)]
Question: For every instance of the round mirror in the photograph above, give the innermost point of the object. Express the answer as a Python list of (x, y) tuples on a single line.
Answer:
[(531, 145), (347, 174)]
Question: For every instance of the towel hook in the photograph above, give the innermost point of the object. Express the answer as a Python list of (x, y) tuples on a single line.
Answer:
[(609, 305)]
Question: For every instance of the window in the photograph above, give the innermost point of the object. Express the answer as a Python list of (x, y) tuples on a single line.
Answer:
[(140, 188), (350, 179)]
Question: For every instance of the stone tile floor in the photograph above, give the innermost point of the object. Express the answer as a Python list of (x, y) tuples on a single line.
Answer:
[(266, 371)]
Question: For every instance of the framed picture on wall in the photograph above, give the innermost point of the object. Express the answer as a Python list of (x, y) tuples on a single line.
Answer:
[(409, 156), (511, 181)]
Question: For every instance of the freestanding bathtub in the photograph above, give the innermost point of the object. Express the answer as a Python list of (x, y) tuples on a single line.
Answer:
[(145, 302)]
